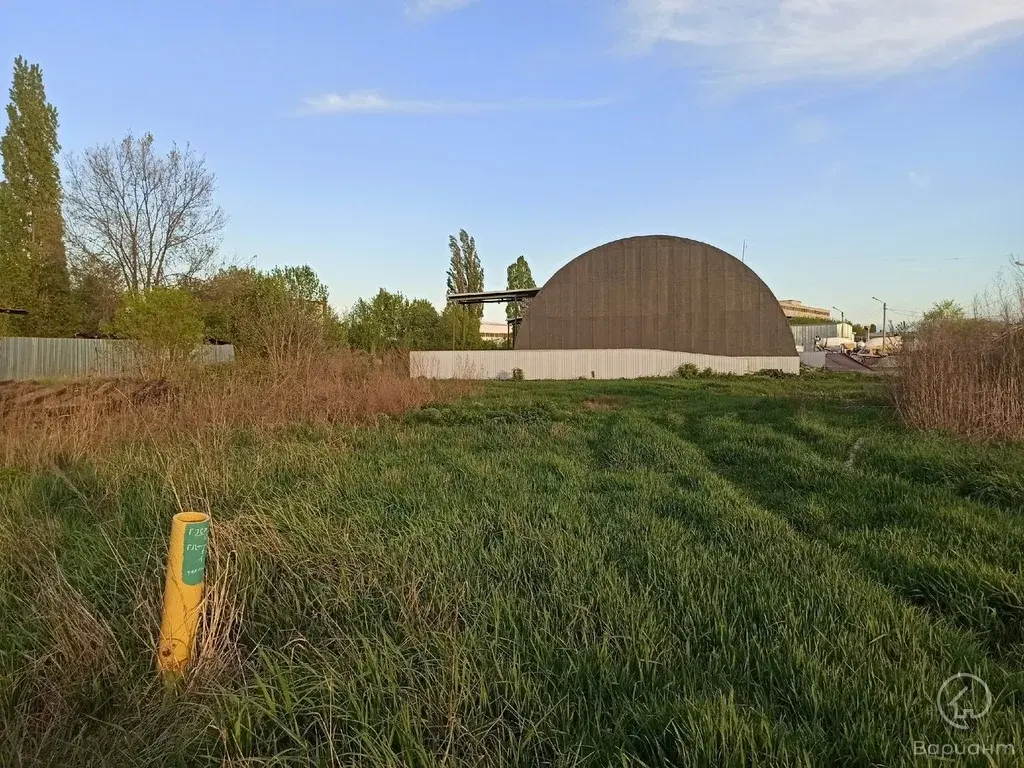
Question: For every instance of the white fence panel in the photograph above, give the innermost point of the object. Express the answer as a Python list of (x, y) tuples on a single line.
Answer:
[(30, 358), (582, 363)]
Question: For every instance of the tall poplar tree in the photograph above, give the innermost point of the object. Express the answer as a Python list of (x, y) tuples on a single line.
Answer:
[(465, 272), (34, 268), (519, 277), (456, 268), (9, 283)]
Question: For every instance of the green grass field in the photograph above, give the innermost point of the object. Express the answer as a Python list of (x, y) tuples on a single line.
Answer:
[(707, 572)]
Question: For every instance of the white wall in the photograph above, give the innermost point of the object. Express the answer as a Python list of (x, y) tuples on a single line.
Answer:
[(582, 363)]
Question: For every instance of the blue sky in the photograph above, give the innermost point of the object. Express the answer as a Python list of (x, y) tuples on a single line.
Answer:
[(861, 147)]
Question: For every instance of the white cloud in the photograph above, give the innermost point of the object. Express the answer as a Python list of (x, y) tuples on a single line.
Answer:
[(757, 41), (422, 8), (368, 102)]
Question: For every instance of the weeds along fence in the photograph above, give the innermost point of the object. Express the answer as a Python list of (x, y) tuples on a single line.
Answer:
[(84, 418), (965, 377), (31, 358)]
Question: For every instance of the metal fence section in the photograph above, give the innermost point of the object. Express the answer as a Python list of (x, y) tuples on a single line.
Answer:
[(813, 359), (28, 358), (582, 363)]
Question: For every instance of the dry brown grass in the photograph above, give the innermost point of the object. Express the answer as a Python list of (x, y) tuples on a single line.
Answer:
[(965, 377), (83, 419)]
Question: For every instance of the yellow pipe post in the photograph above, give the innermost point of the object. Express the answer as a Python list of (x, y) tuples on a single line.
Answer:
[(183, 590)]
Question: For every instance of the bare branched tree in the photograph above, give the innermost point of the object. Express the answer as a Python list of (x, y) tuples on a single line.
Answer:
[(152, 216)]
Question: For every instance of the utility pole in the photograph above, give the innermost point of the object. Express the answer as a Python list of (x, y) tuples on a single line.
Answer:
[(842, 315), (743, 258), (884, 308)]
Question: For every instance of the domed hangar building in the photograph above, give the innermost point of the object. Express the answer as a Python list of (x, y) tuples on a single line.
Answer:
[(641, 306), (658, 292)]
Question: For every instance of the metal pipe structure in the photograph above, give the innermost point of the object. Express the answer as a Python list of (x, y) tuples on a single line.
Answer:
[(493, 297), (183, 590)]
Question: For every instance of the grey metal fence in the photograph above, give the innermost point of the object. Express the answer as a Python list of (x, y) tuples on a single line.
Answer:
[(29, 358)]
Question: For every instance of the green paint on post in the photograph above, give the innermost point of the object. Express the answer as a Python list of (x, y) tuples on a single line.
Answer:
[(193, 561)]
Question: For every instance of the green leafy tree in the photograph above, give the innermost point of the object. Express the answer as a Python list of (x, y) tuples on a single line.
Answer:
[(277, 315), (10, 283), (33, 263), (303, 282), (457, 280), (389, 321), (281, 325), (166, 325), (519, 277), (465, 272), (422, 326), (223, 298), (947, 309), (377, 325), (97, 292), (460, 328)]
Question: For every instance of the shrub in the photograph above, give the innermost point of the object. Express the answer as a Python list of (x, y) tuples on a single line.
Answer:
[(964, 376), (691, 371), (517, 374), (280, 323), (688, 371), (774, 373), (165, 325), (278, 315)]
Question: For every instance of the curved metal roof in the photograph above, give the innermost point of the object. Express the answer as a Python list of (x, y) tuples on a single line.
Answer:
[(657, 292)]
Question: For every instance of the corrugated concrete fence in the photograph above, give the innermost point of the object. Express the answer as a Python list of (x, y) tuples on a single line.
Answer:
[(582, 363), (23, 358)]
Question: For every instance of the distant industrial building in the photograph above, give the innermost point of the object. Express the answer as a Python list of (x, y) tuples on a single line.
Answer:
[(886, 342), (496, 333), (793, 308), (826, 336), (642, 306)]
